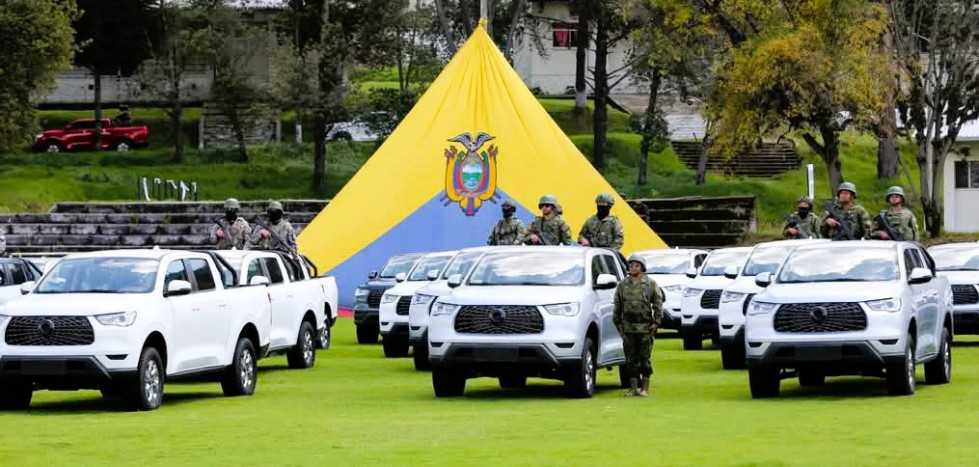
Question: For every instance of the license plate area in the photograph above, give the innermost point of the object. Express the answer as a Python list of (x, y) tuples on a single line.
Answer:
[(496, 354), (43, 367), (818, 353)]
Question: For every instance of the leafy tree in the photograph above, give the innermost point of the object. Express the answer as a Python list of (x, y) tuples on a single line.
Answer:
[(38, 43)]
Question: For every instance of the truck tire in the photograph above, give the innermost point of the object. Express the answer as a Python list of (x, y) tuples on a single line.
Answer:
[(900, 373), (53, 146), (303, 354), (692, 340), (123, 145), (325, 337), (241, 376), (732, 356), (367, 334), (579, 383), (16, 395), (419, 355), (763, 381), (939, 369), (145, 391), (448, 383), (395, 347)]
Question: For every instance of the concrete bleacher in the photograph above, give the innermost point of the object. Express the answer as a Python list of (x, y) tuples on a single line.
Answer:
[(764, 161)]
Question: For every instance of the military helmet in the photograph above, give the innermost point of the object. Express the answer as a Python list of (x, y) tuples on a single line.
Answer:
[(605, 198), (232, 203), (895, 190), (509, 204), (547, 199), (275, 205), (805, 199), (634, 258), (848, 187)]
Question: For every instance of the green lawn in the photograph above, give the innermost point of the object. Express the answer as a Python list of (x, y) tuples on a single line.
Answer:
[(356, 408)]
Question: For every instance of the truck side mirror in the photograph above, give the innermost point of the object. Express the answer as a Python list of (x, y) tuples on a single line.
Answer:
[(455, 280), (259, 280), (26, 287), (433, 274), (763, 279), (372, 275), (731, 272), (691, 273), (400, 277), (919, 276), (605, 282), (176, 288)]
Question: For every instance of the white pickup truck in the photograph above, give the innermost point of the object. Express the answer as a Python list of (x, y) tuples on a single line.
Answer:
[(303, 305), (127, 321), (13, 273)]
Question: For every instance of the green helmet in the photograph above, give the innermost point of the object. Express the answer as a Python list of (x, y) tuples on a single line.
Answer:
[(605, 198), (634, 258), (895, 190), (232, 203), (848, 187), (547, 199), (275, 205), (805, 199), (509, 204)]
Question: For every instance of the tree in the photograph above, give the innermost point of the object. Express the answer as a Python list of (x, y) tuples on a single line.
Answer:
[(38, 43), (458, 18), (113, 37), (938, 52), (611, 27)]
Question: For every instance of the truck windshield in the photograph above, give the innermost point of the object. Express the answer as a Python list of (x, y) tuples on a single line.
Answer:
[(397, 265), (431, 263), (765, 260), (668, 262), (461, 264), (956, 259), (522, 268), (840, 265), (718, 261), (101, 275)]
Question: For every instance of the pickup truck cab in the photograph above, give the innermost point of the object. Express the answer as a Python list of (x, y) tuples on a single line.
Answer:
[(702, 295), (80, 134), (367, 297), (959, 263), (540, 311), (396, 301), (13, 273), (764, 257), (128, 321), (871, 308), (668, 268), (303, 306)]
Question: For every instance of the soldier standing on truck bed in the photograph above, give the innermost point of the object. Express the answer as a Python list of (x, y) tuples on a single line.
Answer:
[(231, 230)]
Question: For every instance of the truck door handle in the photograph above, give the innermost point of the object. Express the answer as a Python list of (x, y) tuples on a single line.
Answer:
[(196, 309), (222, 305), (288, 296)]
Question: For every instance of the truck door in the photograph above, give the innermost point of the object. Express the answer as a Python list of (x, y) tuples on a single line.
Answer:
[(283, 304)]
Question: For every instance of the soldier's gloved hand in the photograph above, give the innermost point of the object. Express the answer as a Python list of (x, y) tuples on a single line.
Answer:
[(265, 234), (534, 239), (793, 231), (219, 234), (585, 242), (652, 329), (883, 235), (832, 222)]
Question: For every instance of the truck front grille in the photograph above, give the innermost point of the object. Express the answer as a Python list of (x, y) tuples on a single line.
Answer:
[(404, 303), (820, 317), (964, 295), (374, 298), (499, 319), (711, 299), (49, 330)]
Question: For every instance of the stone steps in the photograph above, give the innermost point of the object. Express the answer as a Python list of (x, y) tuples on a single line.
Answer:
[(112, 229), (137, 218), (766, 160), (189, 207)]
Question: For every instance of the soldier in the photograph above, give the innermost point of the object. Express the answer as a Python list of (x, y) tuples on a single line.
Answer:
[(637, 314), (232, 230), (122, 118), (900, 218), (602, 230), (802, 223), (3, 245), (285, 236), (548, 228), (509, 230), (855, 215)]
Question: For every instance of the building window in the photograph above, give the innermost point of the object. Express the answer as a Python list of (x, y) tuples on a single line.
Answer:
[(966, 174), (564, 35)]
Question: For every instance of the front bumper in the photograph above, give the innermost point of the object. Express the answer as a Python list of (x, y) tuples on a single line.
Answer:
[(67, 372), (364, 314), (829, 358), (417, 335), (395, 330), (495, 360), (704, 324), (966, 319)]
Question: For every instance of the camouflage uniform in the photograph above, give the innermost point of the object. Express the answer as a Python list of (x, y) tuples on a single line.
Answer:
[(857, 216), (903, 222), (235, 235), (509, 231), (3, 244), (603, 233), (808, 227), (552, 232), (284, 230), (636, 308)]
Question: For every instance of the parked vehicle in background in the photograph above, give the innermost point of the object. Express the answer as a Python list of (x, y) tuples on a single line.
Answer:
[(353, 130), (668, 268), (13, 273), (80, 135), (850, 308), (959, 263), (702, 295), (764, 257), (367, 297), (396, 301)]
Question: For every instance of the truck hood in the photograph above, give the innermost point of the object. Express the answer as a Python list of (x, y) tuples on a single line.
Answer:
[(709, 282), (666, 280), (73, 304), (960, 277), (437, 288), (513, 295), (744, 284), (840, 292), (408, 287), (378, 284)]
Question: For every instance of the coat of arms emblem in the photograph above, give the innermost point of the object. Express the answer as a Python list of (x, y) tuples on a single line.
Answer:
[(470, 173)]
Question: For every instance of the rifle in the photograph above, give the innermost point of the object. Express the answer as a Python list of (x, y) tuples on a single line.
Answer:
[(540, 233), (262, 224), (883, 223), (223, 229), (843, 231), (791, 223)]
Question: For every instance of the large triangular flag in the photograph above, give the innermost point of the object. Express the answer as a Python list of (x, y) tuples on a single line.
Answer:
[(476, 137)]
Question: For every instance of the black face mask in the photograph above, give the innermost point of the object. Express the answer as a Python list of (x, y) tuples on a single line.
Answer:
[(275, 215), (231, 215), (603, 211), (508, 212), (804, 212)]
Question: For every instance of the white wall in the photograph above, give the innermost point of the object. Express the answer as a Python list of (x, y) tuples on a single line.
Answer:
[(961, 204)]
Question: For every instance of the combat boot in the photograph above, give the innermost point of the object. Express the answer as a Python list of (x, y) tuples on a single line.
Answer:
[(644, 390), (633, 384)]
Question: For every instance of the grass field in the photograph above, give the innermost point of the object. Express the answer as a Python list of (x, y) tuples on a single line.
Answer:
[(356, 408)]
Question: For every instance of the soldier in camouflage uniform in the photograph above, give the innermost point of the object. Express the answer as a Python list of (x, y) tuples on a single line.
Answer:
[(855, 214), (602, 230), (284, 238), (548, 228), (509, 230), (637, 314), (802, 223), (232, 230), (3, 245), (900, 218)]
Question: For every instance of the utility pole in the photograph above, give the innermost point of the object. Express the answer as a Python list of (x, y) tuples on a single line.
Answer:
[(484, 13), (296, 5)]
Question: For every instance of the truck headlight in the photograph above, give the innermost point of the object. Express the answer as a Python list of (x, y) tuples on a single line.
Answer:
[(422, 299), (888, 304), (728, 297), (761, 308), (444, 309), (361, 295), (563, 309), (691, 292), (126, 318), (673, 288), (389, 298)]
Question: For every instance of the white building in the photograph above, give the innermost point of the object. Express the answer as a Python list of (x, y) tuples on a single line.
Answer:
[(961, 184)]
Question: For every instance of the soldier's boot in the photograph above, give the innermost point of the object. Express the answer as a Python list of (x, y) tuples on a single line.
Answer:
[(644, 389), (633, 385)]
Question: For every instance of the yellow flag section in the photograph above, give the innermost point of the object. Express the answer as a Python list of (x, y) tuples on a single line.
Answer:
[(478, 136)]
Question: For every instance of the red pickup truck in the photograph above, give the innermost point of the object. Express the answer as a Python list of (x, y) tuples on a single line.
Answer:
[(80, 134)]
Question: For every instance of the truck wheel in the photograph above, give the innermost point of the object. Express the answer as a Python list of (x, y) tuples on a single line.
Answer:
[(580, 381), (366, 334), (240, 377), (901, 374), (123, 145), (16, 395), (419, 354), (692, 340), (939, 370), (303, 354), (448, 383), (811, 378), (732, 356), (763, 381), (513, 382), (53, 147), (623, 377), (395, 347), (145, 391), (325, 337)]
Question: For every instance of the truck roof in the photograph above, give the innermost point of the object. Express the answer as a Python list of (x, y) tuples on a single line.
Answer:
[(132, 253)]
